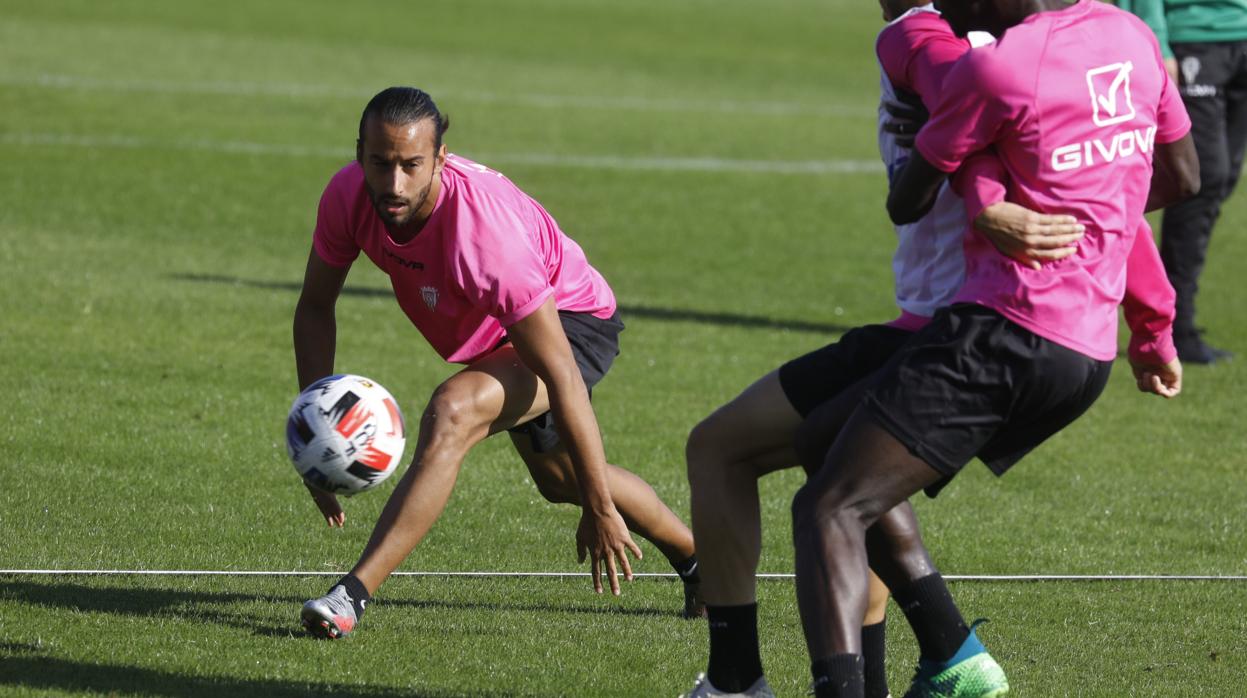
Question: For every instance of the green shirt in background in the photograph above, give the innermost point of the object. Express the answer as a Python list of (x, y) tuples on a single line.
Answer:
[(1191, 21)]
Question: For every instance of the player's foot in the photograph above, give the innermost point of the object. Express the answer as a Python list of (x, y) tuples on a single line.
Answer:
[(331, 616), (694, 606), (702, 688), (971, 673)]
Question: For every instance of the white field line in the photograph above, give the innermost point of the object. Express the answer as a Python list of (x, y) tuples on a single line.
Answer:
[(670, 575), (592, 162), (448, 96)]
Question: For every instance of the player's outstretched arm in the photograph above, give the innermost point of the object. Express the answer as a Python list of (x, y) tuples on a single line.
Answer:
[(602, 535), (315, 341)]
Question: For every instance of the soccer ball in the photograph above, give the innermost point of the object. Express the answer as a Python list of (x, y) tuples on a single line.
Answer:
[(345, 434)]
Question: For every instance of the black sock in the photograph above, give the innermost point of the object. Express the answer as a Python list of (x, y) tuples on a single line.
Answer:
[(874, 651), (838, 676), (930, 610), (358, 593), (687, 569), (735, 661)]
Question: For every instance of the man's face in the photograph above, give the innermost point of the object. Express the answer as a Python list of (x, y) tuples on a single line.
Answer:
[(400, 168)]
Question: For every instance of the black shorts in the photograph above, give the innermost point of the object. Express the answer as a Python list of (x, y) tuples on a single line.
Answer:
[(810, 380), (973, 383), (595, 344)]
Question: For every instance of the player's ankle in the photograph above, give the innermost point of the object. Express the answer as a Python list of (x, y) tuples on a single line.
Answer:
[(838, 676), (874, 669), (687, 569), (357, 592), (735, 660), (934, 617)]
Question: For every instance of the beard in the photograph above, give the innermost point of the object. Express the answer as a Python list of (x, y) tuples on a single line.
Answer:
[(411, 205)]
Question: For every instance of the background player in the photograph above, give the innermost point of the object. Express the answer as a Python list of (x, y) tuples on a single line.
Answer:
[(1205, 47), (491, 281)]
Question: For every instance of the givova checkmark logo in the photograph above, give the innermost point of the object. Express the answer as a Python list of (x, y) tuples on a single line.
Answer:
[(1110, 94)]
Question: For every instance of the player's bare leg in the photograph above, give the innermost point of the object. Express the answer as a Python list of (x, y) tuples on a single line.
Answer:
[(494, 393), (637, 502), (868, 474), (727, 452), (813, 439), (639, 505), (460, 414)]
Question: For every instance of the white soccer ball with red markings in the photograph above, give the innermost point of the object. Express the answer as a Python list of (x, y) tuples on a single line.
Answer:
[(345, 434)]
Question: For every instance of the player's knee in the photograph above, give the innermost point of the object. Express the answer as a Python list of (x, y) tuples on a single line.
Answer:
[(699, 450), (806, 509), (450, 414), (821, 508), (713, 445)]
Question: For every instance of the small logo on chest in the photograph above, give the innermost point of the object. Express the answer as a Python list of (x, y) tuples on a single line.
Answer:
[(408, 263), (429, 294)]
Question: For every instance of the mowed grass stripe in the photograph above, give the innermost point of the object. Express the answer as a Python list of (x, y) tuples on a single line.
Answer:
[(594, 162), (535, 100)]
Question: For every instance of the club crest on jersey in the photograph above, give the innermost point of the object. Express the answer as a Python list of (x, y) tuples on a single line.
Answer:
[(429, 294), (1110, 94)]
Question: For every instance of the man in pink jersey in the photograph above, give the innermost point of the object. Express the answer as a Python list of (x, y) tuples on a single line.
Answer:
[(489, 279), (1023, 351)]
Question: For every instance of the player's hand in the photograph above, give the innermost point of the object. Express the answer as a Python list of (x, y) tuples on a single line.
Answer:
[(907, 114), (1164, 380), (1030, 237), (328, 505), (1171, 67), (605, 539)]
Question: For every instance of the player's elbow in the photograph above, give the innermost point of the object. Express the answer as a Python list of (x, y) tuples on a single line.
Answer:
[(311, 312)]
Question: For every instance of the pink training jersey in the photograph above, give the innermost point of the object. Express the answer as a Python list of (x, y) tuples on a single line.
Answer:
[(1149, 298), (1074, 118), (488, 256)]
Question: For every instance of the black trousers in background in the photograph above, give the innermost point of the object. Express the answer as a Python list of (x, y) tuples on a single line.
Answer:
[(1213, 80)]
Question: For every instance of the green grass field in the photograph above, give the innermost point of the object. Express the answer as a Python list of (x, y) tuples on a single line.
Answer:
[(161, 167)]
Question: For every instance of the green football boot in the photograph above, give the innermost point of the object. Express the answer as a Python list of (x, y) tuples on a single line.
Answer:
[(971, 673)]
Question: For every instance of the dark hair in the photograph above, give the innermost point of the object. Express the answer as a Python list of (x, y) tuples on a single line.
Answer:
[(405, 105)]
